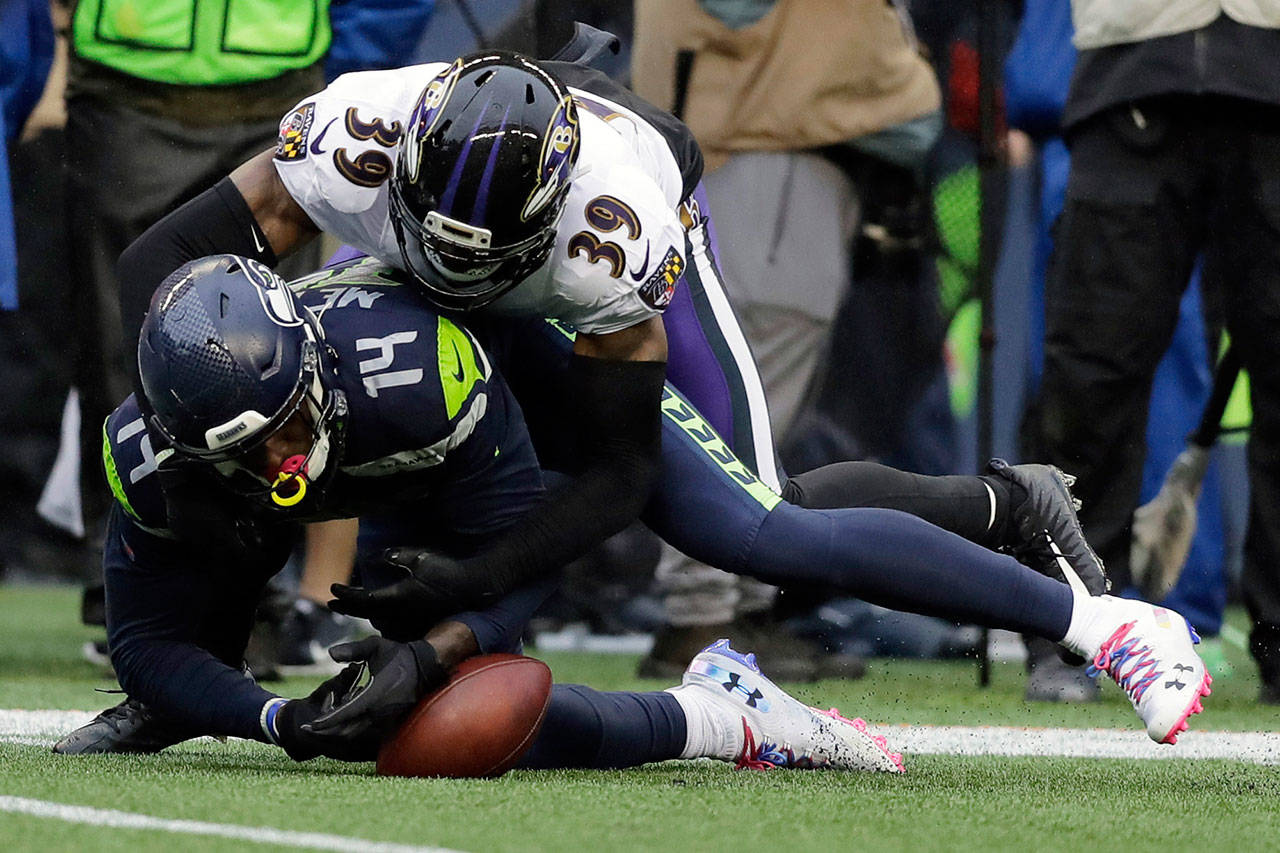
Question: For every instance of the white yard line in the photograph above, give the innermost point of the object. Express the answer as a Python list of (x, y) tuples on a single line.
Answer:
[(42, 728), (1255, 747), (39, 726), (261, 834)]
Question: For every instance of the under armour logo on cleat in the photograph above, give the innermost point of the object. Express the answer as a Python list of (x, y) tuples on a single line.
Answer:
[(733, 684), (1176, 682)]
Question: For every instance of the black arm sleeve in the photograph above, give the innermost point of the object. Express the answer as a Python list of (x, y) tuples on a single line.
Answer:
[(217, 220), (616, 415)]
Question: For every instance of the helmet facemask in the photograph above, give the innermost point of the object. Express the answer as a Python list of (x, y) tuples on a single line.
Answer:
[(455, 262), (243, 466), (236, 449)]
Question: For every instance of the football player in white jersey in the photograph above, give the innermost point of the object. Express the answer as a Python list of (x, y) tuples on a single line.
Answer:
[(545, 189)]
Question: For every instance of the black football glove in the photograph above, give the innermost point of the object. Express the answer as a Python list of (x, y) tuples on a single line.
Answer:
[(399, 675), (289, 725), (436, 587)]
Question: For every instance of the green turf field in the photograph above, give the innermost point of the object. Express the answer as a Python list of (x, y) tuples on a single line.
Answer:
[(202, 795)]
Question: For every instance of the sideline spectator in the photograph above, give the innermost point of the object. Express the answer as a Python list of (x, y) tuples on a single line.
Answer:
[(26, 53), (1037, 77), (1174, 128)]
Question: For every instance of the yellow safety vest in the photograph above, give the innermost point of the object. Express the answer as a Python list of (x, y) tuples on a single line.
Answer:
[(202, 42)]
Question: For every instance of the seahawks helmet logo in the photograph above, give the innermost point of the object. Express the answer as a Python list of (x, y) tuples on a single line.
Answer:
[(277, 300)]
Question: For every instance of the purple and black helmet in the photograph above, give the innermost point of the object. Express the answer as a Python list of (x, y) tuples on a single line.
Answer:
[(481, 177)]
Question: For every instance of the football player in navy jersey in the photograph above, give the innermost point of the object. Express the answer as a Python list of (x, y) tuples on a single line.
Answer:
[(354, 399), (510, 188)]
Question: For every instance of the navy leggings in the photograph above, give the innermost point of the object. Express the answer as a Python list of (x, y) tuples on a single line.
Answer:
[(711, 505)]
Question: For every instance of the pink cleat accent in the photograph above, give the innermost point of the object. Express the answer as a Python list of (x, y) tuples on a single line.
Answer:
[(1196, 707), (880, 741)]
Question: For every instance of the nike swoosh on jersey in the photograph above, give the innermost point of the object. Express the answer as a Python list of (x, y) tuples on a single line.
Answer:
[(459, 374), (638, 276), (256, 241), (315, 143)]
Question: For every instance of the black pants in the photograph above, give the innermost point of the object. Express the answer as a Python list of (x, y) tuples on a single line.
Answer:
[(1152, 186)]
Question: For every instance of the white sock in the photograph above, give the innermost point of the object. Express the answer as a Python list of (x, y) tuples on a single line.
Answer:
[(711, 729), (1093, 620)]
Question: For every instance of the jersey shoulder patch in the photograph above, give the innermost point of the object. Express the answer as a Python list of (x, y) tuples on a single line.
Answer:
[(295, 129), (336, 150), (660, 287)]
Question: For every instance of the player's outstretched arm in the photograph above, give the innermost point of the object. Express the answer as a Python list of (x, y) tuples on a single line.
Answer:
[(615, 391)]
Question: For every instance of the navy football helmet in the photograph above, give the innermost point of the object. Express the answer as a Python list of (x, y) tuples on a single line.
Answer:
[(227, 356), (482, 173)]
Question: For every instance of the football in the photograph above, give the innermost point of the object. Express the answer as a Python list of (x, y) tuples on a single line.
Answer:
[(478, 724)]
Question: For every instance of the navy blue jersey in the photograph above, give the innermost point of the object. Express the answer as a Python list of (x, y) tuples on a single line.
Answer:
[(432, 433), (430, 420)]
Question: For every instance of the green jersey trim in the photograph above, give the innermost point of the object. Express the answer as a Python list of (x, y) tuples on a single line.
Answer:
[(676, 409), (460, 370), (113, 475)]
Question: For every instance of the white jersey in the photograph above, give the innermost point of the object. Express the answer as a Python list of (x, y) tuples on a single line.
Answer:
[(620, 245)]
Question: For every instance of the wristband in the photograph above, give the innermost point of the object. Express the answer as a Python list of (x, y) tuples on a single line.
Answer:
[(267, 719)]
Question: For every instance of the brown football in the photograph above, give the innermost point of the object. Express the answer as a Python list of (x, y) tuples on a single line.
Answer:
[(478, 724)]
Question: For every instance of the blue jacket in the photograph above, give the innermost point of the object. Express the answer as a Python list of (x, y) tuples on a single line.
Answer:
[(26, 52), (1037, 71), (369, 34)]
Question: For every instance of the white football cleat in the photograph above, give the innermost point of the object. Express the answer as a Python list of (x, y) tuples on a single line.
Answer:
[(767, 728), (1151, 655)]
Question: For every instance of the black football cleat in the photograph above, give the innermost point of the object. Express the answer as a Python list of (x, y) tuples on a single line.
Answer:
[(1045, 531), (128, 727)]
